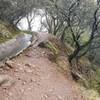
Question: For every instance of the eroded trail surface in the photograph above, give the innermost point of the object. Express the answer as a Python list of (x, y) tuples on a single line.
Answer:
[(37, 78)]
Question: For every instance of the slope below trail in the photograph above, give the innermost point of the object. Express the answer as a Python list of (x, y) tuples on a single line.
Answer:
[(37, 78)]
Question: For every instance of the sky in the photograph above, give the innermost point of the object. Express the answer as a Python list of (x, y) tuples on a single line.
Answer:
[(36, 25)]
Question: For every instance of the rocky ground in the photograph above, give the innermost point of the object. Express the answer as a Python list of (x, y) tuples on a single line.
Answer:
[(32, 76)]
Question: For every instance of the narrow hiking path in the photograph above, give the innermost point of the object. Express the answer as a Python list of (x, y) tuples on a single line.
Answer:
[(37, 78)]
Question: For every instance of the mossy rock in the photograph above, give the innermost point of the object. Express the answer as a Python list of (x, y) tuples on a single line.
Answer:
[(29, 32), (7, 31)]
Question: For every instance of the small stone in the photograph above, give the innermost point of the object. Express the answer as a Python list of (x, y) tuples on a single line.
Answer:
[(18, 64), (45, 96), (2, 64), (33, 66), (19, 78), (6, 81), (27, 55), (43, 52), (59, 97), (16, 70), (34, 80), (10, 94), (28, 65), (20, 68), (10, 64), (24, 83), (51, 90), (28, 70)]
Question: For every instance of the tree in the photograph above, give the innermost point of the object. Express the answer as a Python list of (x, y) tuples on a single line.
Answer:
[(13, 10), (51, 22), (51, 19), (80, 48), (31, 17), (76, 17)]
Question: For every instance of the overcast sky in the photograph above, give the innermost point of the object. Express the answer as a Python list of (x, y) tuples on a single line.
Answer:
[(36, 25)]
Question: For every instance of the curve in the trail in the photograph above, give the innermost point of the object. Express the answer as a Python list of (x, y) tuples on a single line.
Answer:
[(14, 46)]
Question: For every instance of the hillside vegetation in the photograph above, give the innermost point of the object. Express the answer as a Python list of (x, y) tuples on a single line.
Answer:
[(64, 51)]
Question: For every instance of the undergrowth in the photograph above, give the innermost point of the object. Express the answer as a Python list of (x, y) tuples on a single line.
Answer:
[(88, 75)]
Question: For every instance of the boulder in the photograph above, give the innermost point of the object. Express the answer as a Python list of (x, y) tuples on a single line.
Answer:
[(14, 46)]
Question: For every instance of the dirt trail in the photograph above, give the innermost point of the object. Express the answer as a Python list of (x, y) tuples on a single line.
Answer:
[(38, 79)]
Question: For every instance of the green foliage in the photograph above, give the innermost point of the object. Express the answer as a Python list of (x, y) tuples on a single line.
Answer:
[(89, 94), (7, 31), (84, 38), (13, 10), (95, 83), (91, 73), (68, 38), (52, 47)]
